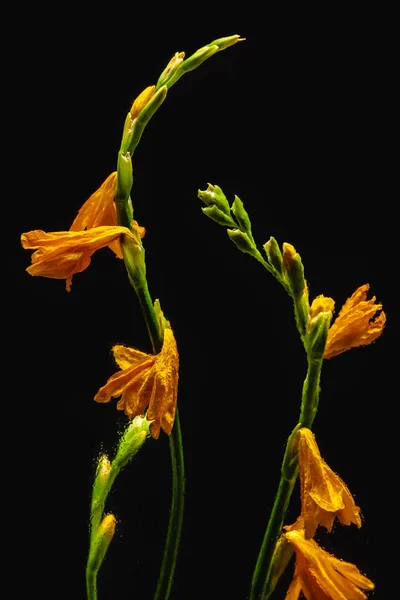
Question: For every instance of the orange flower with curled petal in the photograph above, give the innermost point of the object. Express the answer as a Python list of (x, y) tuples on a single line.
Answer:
[(324, 495), (320, 575), (61, 254), (146, 380), (99, 210), (356, 324)]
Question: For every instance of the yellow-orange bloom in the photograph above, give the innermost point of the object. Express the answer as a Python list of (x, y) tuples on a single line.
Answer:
[(324, 495), (61, 254), (356, 324), (146, 380), (322, 576), (99, 210), (141, 101)]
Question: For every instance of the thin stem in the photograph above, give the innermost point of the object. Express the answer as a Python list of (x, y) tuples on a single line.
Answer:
[(260, 585), (172, 542), (91, 584), (168, 565)]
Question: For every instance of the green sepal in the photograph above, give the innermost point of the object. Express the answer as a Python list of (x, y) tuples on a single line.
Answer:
[(213, 195), (241, 215), (317, 335), (144, 117), (274, 254), (242, 241), (217, 215)]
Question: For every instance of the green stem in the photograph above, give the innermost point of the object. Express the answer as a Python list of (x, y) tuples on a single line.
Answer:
[(91, 584), (260, 585), (177, 462), (176, 515)]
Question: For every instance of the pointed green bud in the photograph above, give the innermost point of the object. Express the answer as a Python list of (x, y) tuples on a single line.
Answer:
[(214, 195), (294, 269), (170, 69), (282, 554), (123, 189), (101, 479), (134, 258), (241, 215), (163, 323), (242, 241), (318, 333), (131, 441), (144, 117), (191, 63), (100, 542), (216, 215), (274, 254), (225, 42)]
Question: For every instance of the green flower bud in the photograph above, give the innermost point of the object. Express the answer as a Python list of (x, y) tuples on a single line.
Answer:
[(100, 542), (131, 441), (144, 117), (241, 215), (214, 195), (225, 42), (170, 69), (274, 254), (318, 333), (217, 215), (242, 241)]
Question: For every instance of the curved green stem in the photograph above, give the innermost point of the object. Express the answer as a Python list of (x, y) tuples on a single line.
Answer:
[(261, 588)]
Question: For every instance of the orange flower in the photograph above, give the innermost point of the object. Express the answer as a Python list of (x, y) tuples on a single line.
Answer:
[(146, 380), (356, 324), (61, 254), (322, 576), (323, 494), (100, 210)]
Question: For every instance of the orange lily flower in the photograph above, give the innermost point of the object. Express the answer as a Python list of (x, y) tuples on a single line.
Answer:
[(356, 324), (61, 254), (324, 495), (146, 380), (99, 210), (320, 575)]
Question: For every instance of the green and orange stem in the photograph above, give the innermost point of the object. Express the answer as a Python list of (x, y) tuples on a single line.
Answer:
[(263, 582)]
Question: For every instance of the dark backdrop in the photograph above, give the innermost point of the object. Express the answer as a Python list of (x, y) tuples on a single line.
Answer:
[(297, 122)]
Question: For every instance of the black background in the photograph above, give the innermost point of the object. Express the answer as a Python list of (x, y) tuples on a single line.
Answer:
[(297, 121)]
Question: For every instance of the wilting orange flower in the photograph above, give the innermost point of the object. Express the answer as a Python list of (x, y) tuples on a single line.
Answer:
[(61, 254), (356, 324), (100, 210), (324, 495), (146, 380), (322, 576)]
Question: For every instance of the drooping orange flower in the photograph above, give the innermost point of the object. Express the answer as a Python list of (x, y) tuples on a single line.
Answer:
[(146, 380), (61, 254), (356, 324), (321, 576), (324, 495), (99, 210)]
